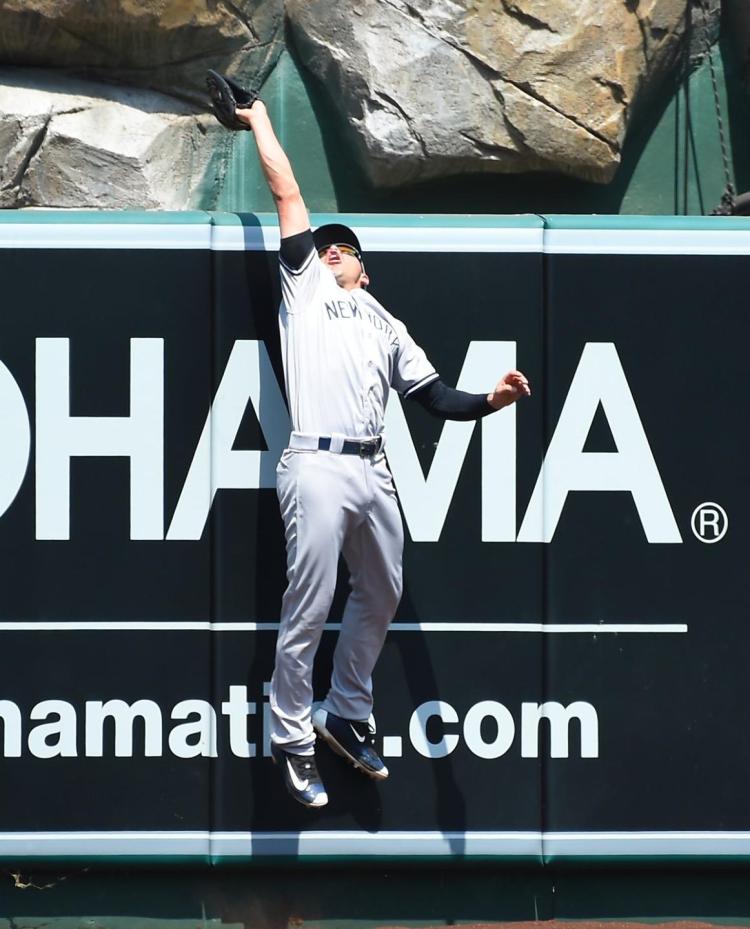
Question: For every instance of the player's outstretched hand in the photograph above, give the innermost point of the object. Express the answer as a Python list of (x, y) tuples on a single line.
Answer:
[(509, 389), (246, 114)]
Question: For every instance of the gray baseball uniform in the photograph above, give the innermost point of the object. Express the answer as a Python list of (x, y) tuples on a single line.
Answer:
[(342, 351)]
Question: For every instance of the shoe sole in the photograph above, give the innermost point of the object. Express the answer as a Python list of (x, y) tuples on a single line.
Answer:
[(340, 750)]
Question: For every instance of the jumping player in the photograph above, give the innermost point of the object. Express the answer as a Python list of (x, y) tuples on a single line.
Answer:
[(342, 352)]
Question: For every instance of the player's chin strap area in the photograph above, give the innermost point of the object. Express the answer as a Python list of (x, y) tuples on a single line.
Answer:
[(337, 443)]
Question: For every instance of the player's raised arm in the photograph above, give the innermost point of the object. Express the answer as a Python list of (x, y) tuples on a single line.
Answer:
[(277, 170)]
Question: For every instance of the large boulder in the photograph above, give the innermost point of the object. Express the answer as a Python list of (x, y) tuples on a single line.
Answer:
[(162, 44), (439, 87), (69, 143)]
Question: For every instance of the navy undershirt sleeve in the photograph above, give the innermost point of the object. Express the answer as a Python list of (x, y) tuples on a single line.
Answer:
[(295, 249), (447, 403)]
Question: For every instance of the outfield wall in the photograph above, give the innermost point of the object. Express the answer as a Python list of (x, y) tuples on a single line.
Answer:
[(564, 679)]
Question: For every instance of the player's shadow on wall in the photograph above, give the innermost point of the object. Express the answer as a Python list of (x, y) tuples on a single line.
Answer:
[(248, 553), (363, 801), (450, 805), (351, 794)]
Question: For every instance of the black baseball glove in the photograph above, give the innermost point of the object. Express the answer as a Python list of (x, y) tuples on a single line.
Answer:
[(226, 97)]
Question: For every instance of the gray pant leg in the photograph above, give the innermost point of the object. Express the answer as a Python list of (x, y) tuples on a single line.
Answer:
[(373, 552), (316, 509)]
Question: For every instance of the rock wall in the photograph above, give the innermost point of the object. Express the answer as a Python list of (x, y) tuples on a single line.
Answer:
[(166, 45), (69, 143), (102, 102), (436, 87), (739, 22)]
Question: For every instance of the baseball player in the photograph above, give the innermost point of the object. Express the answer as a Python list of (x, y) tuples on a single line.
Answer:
[(342, 352)]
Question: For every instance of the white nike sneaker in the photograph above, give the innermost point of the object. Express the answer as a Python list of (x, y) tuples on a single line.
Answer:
[(352, 740)]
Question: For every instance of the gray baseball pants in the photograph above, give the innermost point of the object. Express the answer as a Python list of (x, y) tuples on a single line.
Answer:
[(333, 504)]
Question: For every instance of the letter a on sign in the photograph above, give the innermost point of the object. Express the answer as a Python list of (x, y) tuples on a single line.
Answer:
[(599, 378)]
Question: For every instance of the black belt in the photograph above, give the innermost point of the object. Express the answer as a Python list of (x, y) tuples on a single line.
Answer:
[(367, 448)]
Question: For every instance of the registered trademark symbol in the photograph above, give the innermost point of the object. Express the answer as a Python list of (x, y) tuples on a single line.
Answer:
[(709, 522)]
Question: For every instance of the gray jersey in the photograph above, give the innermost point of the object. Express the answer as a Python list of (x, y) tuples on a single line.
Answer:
[(342, 351)]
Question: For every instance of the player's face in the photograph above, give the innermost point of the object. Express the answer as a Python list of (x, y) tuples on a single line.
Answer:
[(343, 261)]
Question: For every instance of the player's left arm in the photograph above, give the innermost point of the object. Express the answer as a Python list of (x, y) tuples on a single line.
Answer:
[(414, 376), (448, 403)]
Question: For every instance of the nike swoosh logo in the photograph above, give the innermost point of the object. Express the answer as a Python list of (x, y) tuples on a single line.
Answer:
[(357, 736), (300, 785)]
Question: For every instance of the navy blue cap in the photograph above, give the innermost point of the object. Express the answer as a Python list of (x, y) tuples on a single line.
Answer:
[(333, 234)]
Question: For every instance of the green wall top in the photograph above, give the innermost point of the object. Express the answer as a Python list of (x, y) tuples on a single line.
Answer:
[(111, 217), (665, 223), (380, 220)]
